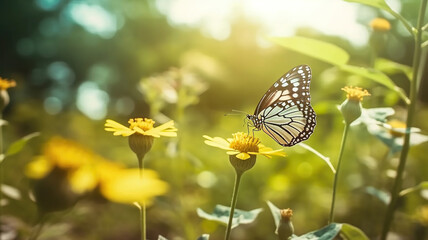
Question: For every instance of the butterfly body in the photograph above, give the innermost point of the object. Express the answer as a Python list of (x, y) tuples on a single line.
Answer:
[(284, 112)]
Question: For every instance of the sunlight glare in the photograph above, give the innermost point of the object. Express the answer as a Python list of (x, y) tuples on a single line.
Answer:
[(277, 17)]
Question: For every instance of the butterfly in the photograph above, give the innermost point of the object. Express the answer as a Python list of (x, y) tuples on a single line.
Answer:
[(285, 112)]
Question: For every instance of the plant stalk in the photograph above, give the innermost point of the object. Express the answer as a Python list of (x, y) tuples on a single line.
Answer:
[(389, 216), (336, 175), (233, 204), (142, 205)]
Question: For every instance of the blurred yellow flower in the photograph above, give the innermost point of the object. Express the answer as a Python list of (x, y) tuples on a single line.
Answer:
[(396, 128), (242, 146), (5, 84), (380, 25), (143, 126), (355, 93), (38, 168), (422, 215), (127, 186), (81, 165)]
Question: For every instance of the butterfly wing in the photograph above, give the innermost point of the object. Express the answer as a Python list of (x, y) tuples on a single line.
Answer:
[(285, 111)]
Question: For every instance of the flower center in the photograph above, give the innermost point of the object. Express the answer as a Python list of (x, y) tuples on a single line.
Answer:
[(143, 123), (244, 143), (355, 93), (396, 125)]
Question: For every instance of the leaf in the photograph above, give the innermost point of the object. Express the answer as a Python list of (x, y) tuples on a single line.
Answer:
[(221, 215), (379, 194), (204, 237), (349, 232), (389, 67), (162, 238), (17, 146), (324, 158), (320, 50), (376, 76), (328, 232), (276, 213)]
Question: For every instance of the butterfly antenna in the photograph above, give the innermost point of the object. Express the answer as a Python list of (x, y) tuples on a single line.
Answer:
[(235, 112)]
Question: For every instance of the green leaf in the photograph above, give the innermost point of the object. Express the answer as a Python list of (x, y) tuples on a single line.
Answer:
[(204, 237), (376, 76), (349, 232), (221, 215), (17, 146), (328, 232), (379, 194), (389, 67), (276, 213), (320, 50)]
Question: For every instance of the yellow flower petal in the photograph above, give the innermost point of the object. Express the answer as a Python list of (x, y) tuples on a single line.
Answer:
[(163, 130), (83, 179), (243, 156), (117, 128), (147, 133), (233, 152), (217, 145)]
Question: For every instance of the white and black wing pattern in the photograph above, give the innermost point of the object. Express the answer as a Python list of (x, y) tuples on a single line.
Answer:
[(285, 111)]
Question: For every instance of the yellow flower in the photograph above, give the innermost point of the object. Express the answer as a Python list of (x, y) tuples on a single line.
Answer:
[(141, 133), (355, 93), (380, 25), (143, 126), (5, 84), (126, 186), (79, 163), (242, 146)]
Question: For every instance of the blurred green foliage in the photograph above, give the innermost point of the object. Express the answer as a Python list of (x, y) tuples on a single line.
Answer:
[(60, 67)]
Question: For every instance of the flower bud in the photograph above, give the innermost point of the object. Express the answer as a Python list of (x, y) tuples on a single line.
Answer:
[(242, 165), (351, 110), (140, 144), (285, 228)]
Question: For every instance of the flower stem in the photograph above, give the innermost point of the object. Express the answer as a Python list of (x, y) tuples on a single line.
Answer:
[(142, 205), (233, 204), (336, 175), (389, 216)]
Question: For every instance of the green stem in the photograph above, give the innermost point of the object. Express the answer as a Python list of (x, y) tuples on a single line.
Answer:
[(142, 205), (389, 216), (233, 204), (336, 175)]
